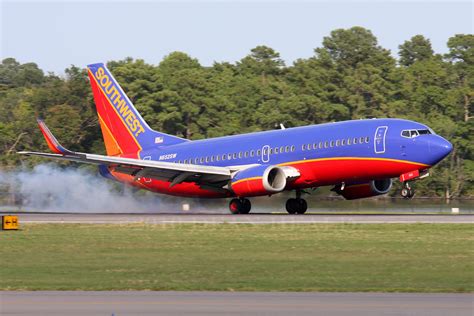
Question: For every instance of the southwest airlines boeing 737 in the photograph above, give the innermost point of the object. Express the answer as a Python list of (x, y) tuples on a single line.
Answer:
[(358, 158)]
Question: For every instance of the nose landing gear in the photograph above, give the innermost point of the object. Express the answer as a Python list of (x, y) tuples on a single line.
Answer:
[(240, 206), (407, 192), (296, 206)]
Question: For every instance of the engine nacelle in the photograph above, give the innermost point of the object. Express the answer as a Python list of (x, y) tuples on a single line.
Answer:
[(363, 190), (262, 180)]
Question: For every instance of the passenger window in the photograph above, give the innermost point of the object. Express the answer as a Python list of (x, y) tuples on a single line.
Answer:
[(293, 148), (338, 142), (202, 159), (218, 158), (271, 151), (367, 139), (240, 154), (259, 152), (308, 146), (235, 155), (332, 143), (315, 146), (207, 159), (246, 154), (282, 149), (287, 149), (326, 144), (196, 161), (361, 140), (303, 147), (252, 153), (348, 141), (275, 150), (229, 156), (320, 145), (223, 157), (355, 141), (343, 142)]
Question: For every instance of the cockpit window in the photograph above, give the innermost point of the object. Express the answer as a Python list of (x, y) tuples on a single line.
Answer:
[(412, 133)]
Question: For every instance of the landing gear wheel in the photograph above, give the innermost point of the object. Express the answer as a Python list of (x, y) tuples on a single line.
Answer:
[(302, 206), (296, 206), (246, 206), (240, 206), (291, 206), (407, 192)]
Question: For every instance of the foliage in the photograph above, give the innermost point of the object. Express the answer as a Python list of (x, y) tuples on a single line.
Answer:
[(349, 77)]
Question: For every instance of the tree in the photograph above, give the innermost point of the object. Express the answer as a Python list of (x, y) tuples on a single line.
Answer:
[(416, 49), (348, 48), (262, 61)]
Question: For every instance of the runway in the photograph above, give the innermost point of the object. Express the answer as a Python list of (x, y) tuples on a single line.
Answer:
[(232, 303), (263, 218)]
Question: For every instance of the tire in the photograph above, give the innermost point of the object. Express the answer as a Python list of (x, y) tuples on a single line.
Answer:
[(235, 206), (404, 193), (291, 206), (246, 206), (302, 206)]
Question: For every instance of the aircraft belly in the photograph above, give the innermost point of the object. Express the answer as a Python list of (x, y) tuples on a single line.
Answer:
[(184, 189), (321, 172)]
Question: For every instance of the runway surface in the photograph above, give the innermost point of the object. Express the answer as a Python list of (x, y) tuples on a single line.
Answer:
[(238, 219), (233, 303)]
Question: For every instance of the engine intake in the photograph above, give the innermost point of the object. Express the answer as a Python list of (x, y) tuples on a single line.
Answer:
[(363, 190), (262, 180)]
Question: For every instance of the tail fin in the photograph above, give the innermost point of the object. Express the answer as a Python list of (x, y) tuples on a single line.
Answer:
[(52, 142), (123, 129)]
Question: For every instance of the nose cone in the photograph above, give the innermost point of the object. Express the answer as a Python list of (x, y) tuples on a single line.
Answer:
[(439, 148)]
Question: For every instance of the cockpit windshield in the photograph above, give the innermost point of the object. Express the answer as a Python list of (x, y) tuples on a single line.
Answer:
[(412, 133)]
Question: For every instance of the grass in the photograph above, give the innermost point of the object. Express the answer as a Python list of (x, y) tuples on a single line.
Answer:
[(306, 257)]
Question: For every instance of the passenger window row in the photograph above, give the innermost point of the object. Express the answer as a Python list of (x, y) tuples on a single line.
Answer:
[(275, 150), (336, 143), (241, 154)]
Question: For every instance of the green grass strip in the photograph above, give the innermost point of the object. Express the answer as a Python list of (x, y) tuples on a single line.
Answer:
[(283, 257)]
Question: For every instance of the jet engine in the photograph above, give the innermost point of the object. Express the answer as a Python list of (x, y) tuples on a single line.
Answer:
[(262, 180), (363, 190)]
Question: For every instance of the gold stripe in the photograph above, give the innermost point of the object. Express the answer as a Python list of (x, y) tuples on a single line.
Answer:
[(109, 131), (351, 158), (246, 179)]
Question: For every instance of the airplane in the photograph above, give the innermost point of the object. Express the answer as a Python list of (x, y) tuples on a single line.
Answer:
[(358, 158)]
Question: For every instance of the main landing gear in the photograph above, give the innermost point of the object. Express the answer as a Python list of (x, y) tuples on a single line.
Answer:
[(407, 192), (296, 206), (240, 206)]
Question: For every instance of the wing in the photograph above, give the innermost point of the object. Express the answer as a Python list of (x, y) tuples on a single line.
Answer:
[(209, 177)]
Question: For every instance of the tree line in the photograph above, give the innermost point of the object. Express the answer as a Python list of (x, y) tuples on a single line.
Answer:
[(350, 76)]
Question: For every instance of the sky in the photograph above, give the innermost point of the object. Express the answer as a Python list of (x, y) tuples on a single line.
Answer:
[(58, 34)]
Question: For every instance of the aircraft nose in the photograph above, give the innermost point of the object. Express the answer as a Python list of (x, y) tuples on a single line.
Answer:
[(440, 148)]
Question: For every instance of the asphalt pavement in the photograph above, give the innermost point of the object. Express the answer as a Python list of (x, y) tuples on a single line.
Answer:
[(118, 303), (262, 218)]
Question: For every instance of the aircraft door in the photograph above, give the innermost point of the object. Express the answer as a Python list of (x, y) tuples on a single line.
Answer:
[(266, 153), (147, 180), (379, 139)]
